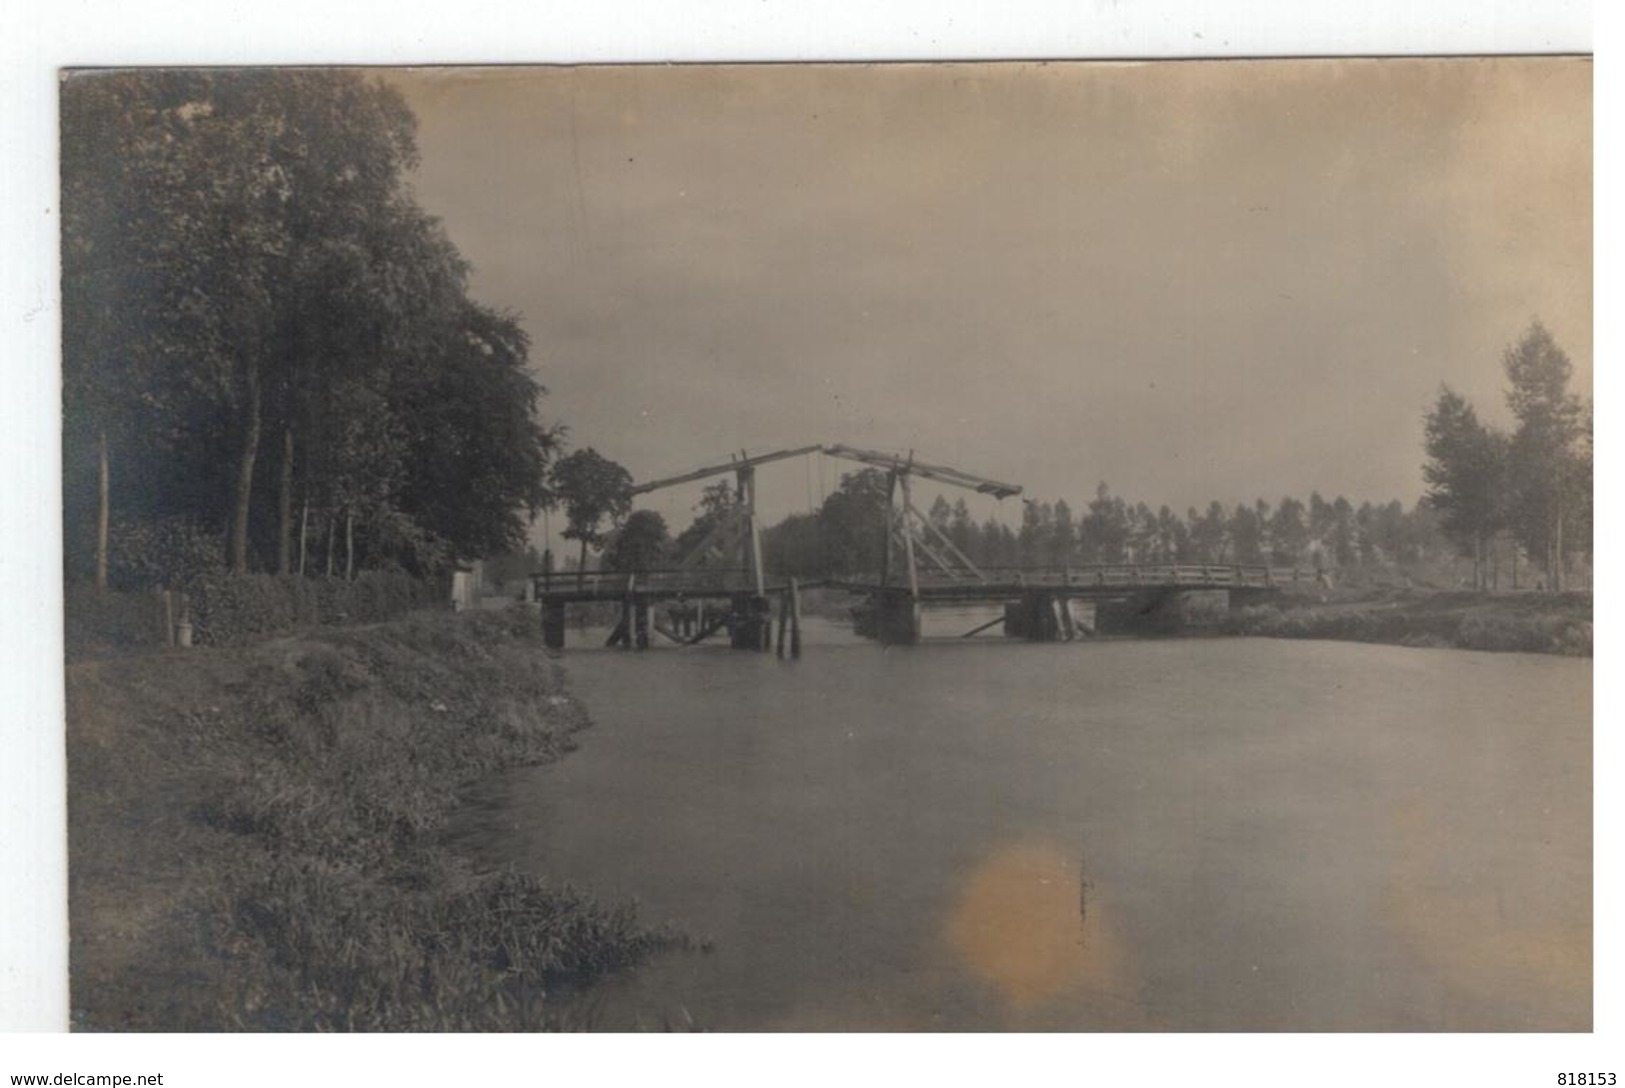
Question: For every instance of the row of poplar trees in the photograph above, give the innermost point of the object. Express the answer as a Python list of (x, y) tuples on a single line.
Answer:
[(269, 349), (1533, 483)]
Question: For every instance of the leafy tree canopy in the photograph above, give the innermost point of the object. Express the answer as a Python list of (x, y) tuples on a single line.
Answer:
[(245, 271)]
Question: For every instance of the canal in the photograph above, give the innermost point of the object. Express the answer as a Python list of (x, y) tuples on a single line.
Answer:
[(1190, 835)]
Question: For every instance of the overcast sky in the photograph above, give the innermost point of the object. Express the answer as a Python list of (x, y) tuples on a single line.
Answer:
[(1191, 280)]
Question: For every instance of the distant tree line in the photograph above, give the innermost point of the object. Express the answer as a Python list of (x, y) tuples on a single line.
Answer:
[(844, 535), (271, 360), (1533, 485)]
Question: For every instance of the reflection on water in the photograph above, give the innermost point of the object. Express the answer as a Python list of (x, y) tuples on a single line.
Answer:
[(1185, 835), (1022, 923)]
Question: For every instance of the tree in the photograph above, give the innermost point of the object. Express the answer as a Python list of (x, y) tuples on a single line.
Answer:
[(1247, 534), (515, 566), (1063, 543), (1321, 519), (360, 451), (478, 455), (1547, 463), (1344, 536), (1037, 531), (1393, 534), (1421, 534), (243, 260), (170, 220), (1465, 475), (962, 531), (379, 338), (1369, 531), (1208, 534), (794, 547), (1289, 533), (1104, 529), (641, 543), (999, 545), (1173, 538), (852, 520), (592, 488), (1141, 527), (1261, 510), (1582, 482), (717, 501)]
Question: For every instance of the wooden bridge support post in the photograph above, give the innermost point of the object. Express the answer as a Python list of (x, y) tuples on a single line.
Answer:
[(1037, 617), (784, 622), (640, 623), (622, 635), (897, 618), (795, 619), (752, 543), (886, 529), (908, 538), (751, 622)]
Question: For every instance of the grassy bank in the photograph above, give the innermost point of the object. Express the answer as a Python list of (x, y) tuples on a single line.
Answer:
[(251, 836), (1518, 622)]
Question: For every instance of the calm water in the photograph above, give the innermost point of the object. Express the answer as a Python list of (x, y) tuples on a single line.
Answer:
[(1171, 835)]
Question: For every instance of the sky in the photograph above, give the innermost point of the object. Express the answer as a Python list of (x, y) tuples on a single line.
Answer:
[(1191, 280)]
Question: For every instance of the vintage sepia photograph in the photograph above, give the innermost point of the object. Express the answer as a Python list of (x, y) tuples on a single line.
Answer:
[(829, 547)]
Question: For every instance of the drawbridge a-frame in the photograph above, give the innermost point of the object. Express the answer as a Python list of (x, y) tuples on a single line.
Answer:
[(721, 582)]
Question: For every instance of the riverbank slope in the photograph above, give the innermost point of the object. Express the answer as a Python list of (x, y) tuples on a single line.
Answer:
[(251, 836), (1518, 622)]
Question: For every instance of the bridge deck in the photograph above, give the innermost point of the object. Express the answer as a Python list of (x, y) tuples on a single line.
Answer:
[(655, 585), (1103, 580), (1098, 581)]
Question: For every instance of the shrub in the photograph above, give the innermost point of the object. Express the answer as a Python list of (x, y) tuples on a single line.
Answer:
[(165, 552), (1440, 620), (1537, 633), (230, 609)]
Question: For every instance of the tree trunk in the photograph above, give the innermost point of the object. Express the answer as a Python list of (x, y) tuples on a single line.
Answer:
[(1515, 565), (1495, 564), (245, 472), (1557, 550), (581, 567), (1478, 563), (102, 516), (331, 529), (284, 507), (349, 546), (304, 529)]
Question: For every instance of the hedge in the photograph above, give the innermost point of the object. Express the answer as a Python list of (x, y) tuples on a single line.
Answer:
[(231, 609), (228, 610)]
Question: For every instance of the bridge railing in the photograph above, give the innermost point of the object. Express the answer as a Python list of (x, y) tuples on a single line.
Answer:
[(613, 584), (1196, 575)]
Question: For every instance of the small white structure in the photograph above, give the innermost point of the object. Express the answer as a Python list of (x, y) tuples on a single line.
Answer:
[(466, 583)]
